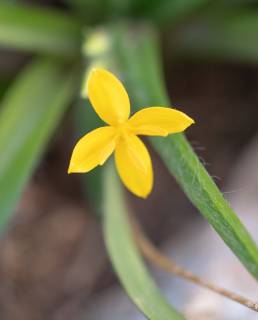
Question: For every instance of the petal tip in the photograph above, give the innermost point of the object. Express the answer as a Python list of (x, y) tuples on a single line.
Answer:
[(145, 196), (70, 170), (143, 193), (190, 122)]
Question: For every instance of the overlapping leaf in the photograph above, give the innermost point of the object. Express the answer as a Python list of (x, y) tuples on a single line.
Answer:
[(30, 111), (125, 256), (39, 30), (136, 57)]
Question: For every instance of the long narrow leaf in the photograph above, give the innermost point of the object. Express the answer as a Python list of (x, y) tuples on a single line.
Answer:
[(230, 36), (86, 120), (178, 155), (136, 56), (169, 12), (30, 111), (39, 30), (125, 256)]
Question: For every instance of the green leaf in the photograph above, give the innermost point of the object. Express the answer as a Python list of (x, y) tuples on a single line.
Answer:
[(3, 86), (229, 36), (125, 257), (30, 111), (39, 30), (169, 12), (86, 120), (136, 56)]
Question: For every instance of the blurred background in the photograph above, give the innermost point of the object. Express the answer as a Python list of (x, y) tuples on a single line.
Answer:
[(53, 263)]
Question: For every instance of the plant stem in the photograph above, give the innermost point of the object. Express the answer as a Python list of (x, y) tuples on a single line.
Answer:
[(151, 253), (138, 58)]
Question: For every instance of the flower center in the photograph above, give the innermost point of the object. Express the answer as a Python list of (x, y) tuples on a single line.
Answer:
[(123, 130)]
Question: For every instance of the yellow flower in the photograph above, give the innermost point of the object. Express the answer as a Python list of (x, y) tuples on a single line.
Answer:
[(111, 102)]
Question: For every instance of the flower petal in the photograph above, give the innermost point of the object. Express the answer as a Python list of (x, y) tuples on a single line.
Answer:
[(93, 149), (134, 165), (159, 121), (108, 97)]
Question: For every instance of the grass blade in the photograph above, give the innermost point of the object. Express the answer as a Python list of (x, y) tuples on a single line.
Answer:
[(30, 111), (167, 13), (229, 36), (39, 30), (86, 120), (125, 256), (135, 54)]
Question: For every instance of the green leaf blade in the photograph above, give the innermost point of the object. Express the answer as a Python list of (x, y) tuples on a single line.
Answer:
[(125, 256), (136, 57), (177, 154), (39, 30), (231, 36), (205, 195), (31, 110)]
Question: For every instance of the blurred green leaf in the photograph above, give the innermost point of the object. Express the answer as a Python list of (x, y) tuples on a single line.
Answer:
[(3, 86), (162, 12), (92, 11), (30, 111), (228, 35), (94, 53), (86, 120), (136, 55), (125, 257), (39, 30), (167, 12)]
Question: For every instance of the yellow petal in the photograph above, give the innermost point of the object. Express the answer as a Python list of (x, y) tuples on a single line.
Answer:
[(158, 121), (108, 97), (93, 149), (134, 165)]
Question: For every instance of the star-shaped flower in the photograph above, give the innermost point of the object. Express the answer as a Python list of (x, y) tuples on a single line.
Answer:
[(111, 102)]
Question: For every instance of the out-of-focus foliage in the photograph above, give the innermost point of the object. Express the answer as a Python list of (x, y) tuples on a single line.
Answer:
[(3, 87), (130, 267), (39, 30), (30, 111), (87, 120), (231, 35), (136, 56), (162, 12)]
